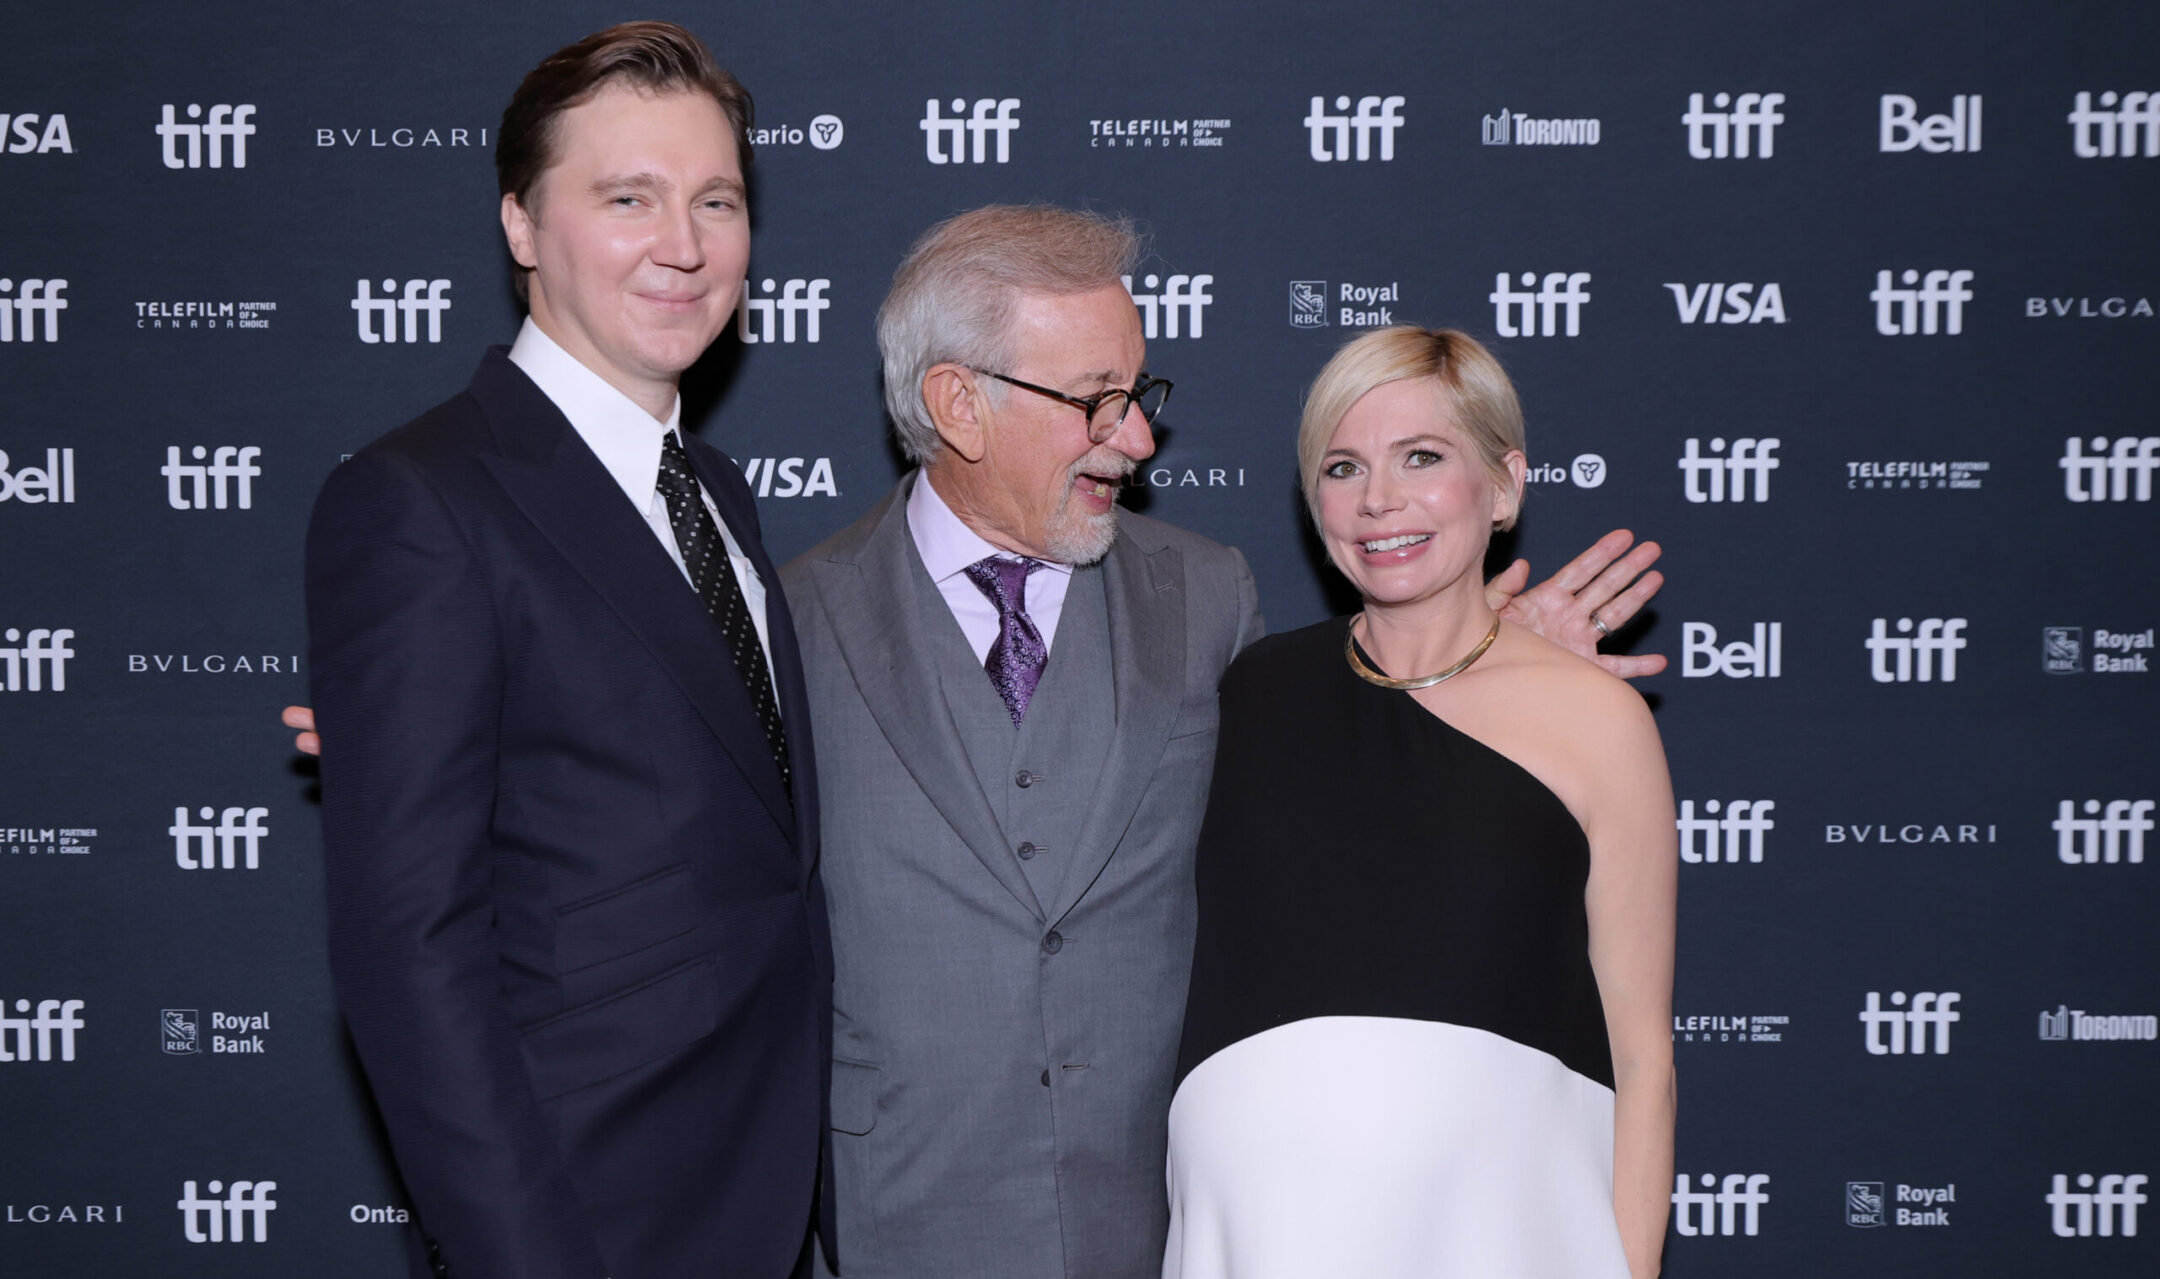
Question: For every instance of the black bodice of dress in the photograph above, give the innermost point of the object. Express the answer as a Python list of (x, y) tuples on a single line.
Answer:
[(1360, 857)]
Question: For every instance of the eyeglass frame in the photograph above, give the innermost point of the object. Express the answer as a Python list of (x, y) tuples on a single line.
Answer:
[(1087, 404)]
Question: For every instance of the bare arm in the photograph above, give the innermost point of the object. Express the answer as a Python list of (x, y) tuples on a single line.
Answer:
[(1608, 582)]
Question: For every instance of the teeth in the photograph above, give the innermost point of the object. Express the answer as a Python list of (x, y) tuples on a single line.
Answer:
[(1396, 543)]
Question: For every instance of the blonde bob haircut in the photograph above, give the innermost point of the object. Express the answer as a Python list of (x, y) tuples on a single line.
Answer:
[(1477, 390)]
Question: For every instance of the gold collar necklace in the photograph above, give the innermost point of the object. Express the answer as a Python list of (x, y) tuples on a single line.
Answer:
[(1371, 676)]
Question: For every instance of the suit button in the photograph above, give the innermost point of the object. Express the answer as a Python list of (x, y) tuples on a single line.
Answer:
[(1053, 943), (1046, 1079), (1026, 851), (1024, 779)]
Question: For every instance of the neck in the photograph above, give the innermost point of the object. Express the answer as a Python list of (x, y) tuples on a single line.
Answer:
[(1408, 641), (655, 397), (945, 476)]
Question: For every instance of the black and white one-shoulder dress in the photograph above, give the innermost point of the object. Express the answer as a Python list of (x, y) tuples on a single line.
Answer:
[(1394, 1062)]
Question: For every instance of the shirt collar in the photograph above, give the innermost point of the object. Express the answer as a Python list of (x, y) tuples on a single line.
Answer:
[(946, 544), (624, 436)]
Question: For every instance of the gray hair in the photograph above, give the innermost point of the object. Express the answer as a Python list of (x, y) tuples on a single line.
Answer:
[(953, 297)]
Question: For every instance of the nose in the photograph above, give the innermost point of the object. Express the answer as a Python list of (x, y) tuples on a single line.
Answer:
[(1134, 436), (1379, 495), (678, 243)]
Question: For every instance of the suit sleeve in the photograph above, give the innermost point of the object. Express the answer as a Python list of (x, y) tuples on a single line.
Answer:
[(1250, 624), (407, 678)]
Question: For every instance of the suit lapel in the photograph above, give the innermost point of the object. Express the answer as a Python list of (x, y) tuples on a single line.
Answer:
[(872, 599), (1145, 596), (562, 488)]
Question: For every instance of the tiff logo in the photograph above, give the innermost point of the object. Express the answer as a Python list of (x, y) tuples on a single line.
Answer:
[(1736, 306), (56, 1020), (1752, 122), (36, 661), (33, 486), (1928, 1009), (1749, 456), (1184, 295), (1938, 305), (185, 484), (1737, 1202), (246, 1199), (419, 296), (224, 122), (1745, 820), (1903, 129), (2109, 132), (991, 115), (2102, 837), (1375, 114), (1763, 658), (213, 847), (2116, 1191), (1538, 311), (1915, 654), (798, 297), (2105, 475), (19, 314)]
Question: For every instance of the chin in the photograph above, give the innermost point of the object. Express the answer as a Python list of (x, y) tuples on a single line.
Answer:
[(1081, 540)]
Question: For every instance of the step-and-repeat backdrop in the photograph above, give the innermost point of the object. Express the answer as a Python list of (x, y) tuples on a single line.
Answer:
[(1850, 306)]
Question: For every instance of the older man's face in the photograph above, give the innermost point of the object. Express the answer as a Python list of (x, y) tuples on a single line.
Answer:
[(1041, 489)]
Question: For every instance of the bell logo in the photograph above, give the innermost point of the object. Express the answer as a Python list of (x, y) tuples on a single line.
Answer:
[(1751, 123), (1331, 133), (2091, 1210), (246, 1201), (2109, 836), (1761, 658), (1179, 296), (1903, 129), (2107, 474), (2109, 132), (225, 122), (965, 137), (239, 832), (1731, 1208), (1928, 1009), (19, 314), (419, 296), (33, 486)]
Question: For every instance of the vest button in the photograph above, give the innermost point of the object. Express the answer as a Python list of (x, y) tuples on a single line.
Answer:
[(1024, 779), (1053, 943), (1026, 851), (1046, 1079)]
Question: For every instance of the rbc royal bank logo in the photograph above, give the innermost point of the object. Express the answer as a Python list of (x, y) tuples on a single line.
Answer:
[(1704, 479), (2122, 472), (2110, 131), (1910, 657), (206, 485), (1929, 1008), (964, 139), (35, 661), (1308, 304), (247, 1202), (1731, 1208), (180, 1031), (2092, 1208), (1903, 129), (1179, 303), (1937, 305), (1737, 128), (47, 1034), (797, 299), (34, 486), (1744, 824), (420, 297), (28, 137), (1864, 1203), (19, 314), (1375, 116), (225, 124), (1721, 303), (2104, 835), (235, 841), (1523, 313)]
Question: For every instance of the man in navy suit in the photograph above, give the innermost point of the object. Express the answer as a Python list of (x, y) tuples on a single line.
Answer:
[(569, 809)]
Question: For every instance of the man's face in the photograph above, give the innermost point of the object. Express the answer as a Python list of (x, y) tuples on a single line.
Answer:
[(637, 235), (1041, 489)]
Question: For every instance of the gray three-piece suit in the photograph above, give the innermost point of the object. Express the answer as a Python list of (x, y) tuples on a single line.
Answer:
[(1012, 910)]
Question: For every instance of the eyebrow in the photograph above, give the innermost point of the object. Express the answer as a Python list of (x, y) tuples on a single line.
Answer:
[(655, 183), (1405, 442)]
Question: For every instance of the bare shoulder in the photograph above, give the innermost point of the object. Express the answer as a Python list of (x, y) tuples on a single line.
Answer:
[(1572, 695)]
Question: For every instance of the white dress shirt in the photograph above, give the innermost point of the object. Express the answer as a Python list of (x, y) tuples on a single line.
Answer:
[(948, 546), (626, 439)]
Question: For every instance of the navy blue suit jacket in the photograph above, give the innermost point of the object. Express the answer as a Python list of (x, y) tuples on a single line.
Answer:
[(576, 924)]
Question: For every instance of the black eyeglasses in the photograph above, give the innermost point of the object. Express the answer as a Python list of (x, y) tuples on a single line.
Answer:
[(1105, 409)]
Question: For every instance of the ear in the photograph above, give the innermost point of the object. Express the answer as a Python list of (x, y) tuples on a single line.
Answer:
[(957, 410), (1507, 503), (517, 225)]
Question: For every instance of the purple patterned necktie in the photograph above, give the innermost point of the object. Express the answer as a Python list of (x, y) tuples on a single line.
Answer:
[(1016, 657)]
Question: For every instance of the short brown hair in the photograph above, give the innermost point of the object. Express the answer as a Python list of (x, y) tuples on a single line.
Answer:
[(659, 57), (1475, 386)]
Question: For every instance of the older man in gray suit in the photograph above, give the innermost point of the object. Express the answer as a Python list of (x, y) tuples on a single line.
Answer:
[(1009, 859)]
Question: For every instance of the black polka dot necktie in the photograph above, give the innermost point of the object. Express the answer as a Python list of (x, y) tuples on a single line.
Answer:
[(705, 555)]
